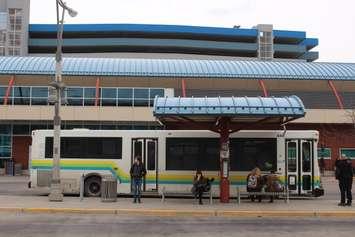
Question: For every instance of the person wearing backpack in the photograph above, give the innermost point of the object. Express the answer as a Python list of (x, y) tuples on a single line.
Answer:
[(273, 184), (254, 183)]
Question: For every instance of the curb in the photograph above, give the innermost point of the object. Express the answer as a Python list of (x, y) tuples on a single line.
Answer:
[(182, 213)]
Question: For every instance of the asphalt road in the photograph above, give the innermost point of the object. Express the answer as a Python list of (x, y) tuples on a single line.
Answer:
[(23, 225)]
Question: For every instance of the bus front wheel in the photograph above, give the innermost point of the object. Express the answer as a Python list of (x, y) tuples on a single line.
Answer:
[(92, 187)]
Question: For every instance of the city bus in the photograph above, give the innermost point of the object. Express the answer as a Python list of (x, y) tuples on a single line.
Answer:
[(172, 157)]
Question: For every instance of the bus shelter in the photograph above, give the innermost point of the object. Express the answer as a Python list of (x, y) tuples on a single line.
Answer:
[(226, 115)]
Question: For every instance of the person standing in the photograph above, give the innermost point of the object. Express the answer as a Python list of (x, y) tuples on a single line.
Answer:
[(137, 173), (322, 165), (344, 174)]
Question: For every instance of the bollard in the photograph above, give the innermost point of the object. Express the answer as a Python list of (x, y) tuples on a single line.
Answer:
[(238, 195), (82, 188)]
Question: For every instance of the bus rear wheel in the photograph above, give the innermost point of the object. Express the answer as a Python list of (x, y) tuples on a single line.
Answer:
[(92, 187)]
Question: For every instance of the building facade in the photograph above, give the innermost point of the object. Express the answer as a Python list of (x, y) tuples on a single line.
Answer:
[(171, 41), (114, 71), (14, 24)]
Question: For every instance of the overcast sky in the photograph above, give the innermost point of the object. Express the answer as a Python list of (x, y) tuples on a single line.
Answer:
[(331, 21)]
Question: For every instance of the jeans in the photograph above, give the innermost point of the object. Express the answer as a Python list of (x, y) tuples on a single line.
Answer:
[(137, 185), (199, 193), (345, 186)]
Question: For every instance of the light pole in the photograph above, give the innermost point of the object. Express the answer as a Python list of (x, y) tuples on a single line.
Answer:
[(58, 86)]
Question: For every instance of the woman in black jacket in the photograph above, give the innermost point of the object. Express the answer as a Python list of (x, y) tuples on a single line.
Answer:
[(199, 184)]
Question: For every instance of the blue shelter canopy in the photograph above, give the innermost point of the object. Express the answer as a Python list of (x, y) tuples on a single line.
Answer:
[(241, 112)]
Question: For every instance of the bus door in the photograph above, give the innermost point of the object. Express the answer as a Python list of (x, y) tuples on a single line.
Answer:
[(147, 149), (299, 164)]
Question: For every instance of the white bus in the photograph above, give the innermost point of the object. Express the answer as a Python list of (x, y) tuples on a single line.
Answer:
[(171, 158)]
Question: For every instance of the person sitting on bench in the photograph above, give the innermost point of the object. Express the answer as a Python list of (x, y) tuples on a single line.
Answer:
[(254, 183), (273, 184), (200, 185)]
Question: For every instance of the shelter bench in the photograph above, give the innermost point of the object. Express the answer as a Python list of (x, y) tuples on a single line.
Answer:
[(262, 193), (164, 193)]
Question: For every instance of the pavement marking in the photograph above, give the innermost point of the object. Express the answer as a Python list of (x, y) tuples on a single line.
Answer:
[(186, 212)]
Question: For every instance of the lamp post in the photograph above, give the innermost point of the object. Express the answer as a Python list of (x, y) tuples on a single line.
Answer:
[(58, 86)]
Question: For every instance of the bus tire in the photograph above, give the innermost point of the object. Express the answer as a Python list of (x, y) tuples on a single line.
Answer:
[(92, 186)]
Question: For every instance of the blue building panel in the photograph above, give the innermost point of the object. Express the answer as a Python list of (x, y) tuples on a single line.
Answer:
[(289, 34), (123, 42), (145, 28), (290, 48), (310, 43)]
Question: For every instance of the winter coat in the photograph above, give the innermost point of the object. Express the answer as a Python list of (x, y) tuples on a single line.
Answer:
[(137, 171), (344, 169), (203, 184), (273, 184)]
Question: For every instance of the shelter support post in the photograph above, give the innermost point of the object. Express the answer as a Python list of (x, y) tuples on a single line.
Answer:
[(224, 160)]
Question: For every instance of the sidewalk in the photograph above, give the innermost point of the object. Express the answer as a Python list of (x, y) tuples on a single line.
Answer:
[(176, 207), (15, 197)]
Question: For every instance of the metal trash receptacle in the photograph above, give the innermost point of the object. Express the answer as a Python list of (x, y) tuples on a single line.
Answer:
[(18, 169), (108, 189), (9, 167)]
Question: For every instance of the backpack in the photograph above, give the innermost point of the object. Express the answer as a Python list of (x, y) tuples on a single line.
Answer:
[(252, 182), (277, 186)]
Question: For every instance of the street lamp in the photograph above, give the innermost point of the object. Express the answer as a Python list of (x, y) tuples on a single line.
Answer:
[(58, 86)]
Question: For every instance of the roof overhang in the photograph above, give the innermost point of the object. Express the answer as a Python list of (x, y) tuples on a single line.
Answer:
[(179, 68), (206, 113)]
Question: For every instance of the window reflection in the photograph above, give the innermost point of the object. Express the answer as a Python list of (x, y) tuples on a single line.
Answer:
[(83, 96)]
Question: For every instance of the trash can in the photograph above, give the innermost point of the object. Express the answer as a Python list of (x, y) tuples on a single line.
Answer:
[(108, 189), (9, 167), (18, 169)]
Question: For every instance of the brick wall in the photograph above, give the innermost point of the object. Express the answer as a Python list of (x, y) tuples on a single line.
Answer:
[(332, 136), (20, 150)]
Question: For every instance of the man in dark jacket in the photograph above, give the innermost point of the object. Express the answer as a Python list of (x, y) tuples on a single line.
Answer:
[(344, 174), (137, 172)]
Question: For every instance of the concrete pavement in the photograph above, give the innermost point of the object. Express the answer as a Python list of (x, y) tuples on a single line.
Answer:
[(175, 207), (323, 206)]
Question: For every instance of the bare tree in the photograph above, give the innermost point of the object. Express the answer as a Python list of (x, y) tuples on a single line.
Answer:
[(351, 114)]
